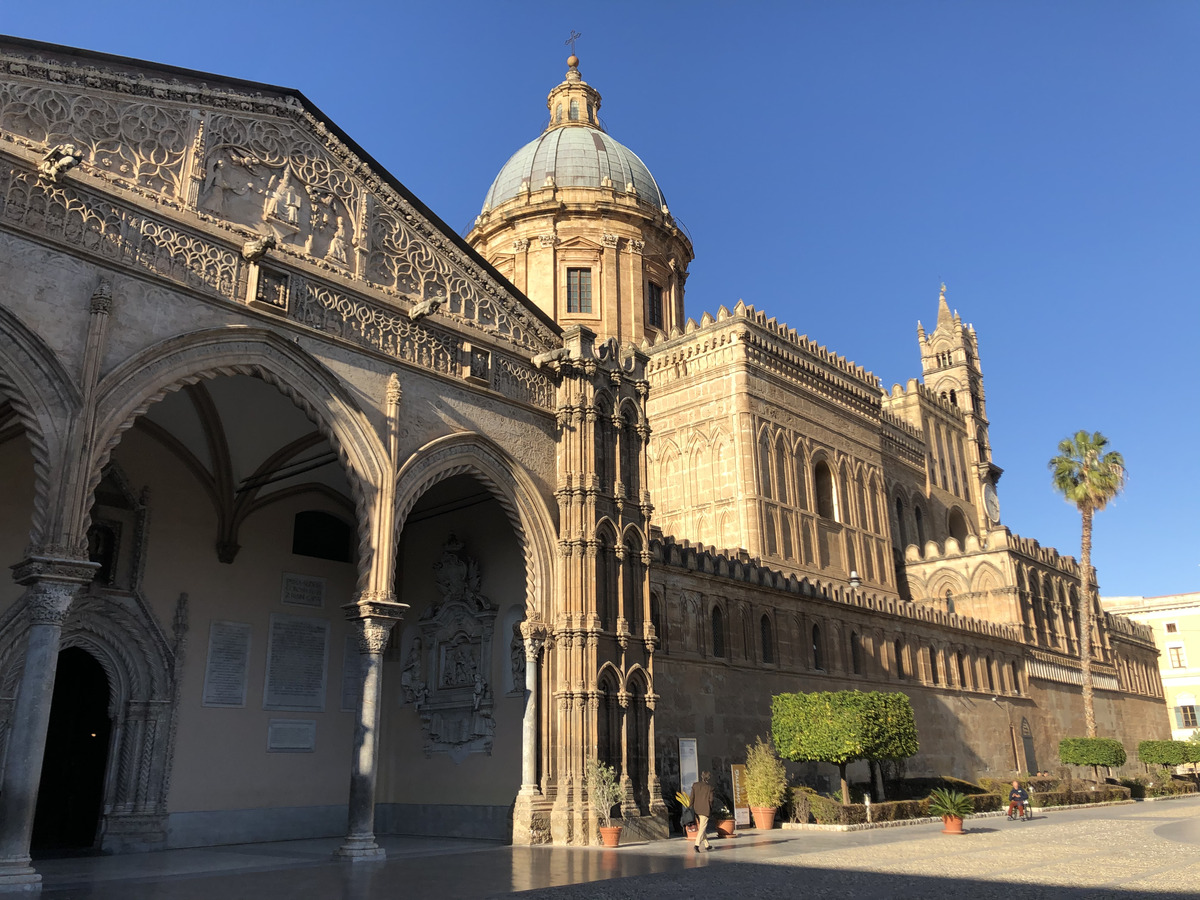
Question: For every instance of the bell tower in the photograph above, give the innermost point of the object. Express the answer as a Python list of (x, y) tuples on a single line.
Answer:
[(951, 370)]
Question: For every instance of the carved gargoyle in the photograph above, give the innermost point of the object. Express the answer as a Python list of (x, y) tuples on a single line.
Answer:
[(60, 159), (559, 354), (254, 250), (424, 308)]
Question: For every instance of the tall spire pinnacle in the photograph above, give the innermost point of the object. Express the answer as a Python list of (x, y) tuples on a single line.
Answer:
[(944, 315)]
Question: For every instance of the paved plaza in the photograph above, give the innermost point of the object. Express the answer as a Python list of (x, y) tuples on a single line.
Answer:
[(1134, 850)]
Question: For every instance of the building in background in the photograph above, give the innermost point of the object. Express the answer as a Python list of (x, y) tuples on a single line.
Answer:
[(1174, 620)]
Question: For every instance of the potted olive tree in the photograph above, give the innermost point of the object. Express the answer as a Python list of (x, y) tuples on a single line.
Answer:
[(766, 783), (952, 806), (604, 790)]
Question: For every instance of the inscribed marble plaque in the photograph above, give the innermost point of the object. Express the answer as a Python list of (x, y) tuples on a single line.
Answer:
[(225, 670), (303, 590), (291, 735), (354, 668), (297, 659)]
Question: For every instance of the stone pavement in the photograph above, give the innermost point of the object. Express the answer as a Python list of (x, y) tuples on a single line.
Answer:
[(1140, 850)]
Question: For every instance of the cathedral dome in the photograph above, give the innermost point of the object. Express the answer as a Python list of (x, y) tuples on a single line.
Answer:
[(574, 157)]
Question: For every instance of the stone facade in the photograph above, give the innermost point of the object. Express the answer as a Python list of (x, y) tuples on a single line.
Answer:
[(301, 485)]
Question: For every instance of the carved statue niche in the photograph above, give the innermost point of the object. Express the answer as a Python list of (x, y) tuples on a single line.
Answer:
[(455, 700)]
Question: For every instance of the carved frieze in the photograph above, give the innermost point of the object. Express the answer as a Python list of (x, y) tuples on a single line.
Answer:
[(373, 326), (64, 213), (524, 384), (143, 144)]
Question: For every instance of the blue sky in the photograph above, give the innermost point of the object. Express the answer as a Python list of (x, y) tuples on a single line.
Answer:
[(834, 162)]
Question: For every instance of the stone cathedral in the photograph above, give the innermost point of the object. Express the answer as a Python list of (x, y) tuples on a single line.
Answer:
[(326, 521)]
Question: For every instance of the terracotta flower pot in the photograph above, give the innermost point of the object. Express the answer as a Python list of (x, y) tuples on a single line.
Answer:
[(952, 825), (610, 835), (764, 817), (725, 828)]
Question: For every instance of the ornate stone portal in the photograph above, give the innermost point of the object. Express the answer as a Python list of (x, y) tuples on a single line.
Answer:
[(455, 700)]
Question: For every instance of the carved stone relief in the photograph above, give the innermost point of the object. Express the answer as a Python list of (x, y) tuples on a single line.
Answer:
[(448, 679), (64, 213), (140, 143), (270, 177)]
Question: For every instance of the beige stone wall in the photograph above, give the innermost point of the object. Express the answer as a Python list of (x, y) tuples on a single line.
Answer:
[(724, 698)]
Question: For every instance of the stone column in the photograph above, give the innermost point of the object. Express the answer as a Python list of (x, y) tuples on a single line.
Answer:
[(533, 631), (373, 614), (51, 585)]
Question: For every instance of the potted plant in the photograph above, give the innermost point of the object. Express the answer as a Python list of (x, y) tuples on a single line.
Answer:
[(766, 783), (604, 790), (690, 829), (952, 806), (721, 817)]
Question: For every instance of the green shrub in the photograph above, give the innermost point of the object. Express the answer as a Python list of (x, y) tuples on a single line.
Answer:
[(898, 810), (842, 727), (1093, 752), (1167, 753)]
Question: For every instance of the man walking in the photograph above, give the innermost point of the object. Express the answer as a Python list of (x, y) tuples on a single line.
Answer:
[(702, 798)]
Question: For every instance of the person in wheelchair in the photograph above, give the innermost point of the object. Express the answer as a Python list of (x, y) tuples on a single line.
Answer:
[(1018, 801)]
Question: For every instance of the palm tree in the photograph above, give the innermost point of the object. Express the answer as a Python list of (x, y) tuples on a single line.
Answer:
[(1089, 477)]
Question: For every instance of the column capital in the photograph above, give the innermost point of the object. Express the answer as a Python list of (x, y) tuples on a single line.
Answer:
[(52, 567), (535, 634), (375, 605)]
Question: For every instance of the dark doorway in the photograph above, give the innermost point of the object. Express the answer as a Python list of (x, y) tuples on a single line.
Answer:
[(1031, 763), (72, 787)]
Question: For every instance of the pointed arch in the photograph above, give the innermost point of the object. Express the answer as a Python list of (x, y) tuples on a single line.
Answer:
[(45, 399), (133, 387), (512, 487)]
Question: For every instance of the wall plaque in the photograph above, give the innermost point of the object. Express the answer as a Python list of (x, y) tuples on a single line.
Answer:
[(291, 735), (297, 659), (303, 590), (225, 670)]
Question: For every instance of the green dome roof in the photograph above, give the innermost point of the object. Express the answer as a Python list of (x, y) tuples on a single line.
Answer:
[(574, 157)]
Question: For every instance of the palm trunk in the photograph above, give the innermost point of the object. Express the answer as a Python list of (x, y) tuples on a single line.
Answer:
[(1085, 621)]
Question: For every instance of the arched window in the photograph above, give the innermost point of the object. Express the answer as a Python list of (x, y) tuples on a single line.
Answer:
[(573, 114), (606, 583), (824, 489), (1016, 682), (987, 663), (634, 580), (324, 536), (764, 467), (962, 672), (718, 633), (856, 653), (785, 534), (901, 530), (657, 621), (769, 529), (781, 469), (898, 649), (920, 520), (958, 526), (768, 639), (818, 650), (953, 397), (800, 493), (933, 666)]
